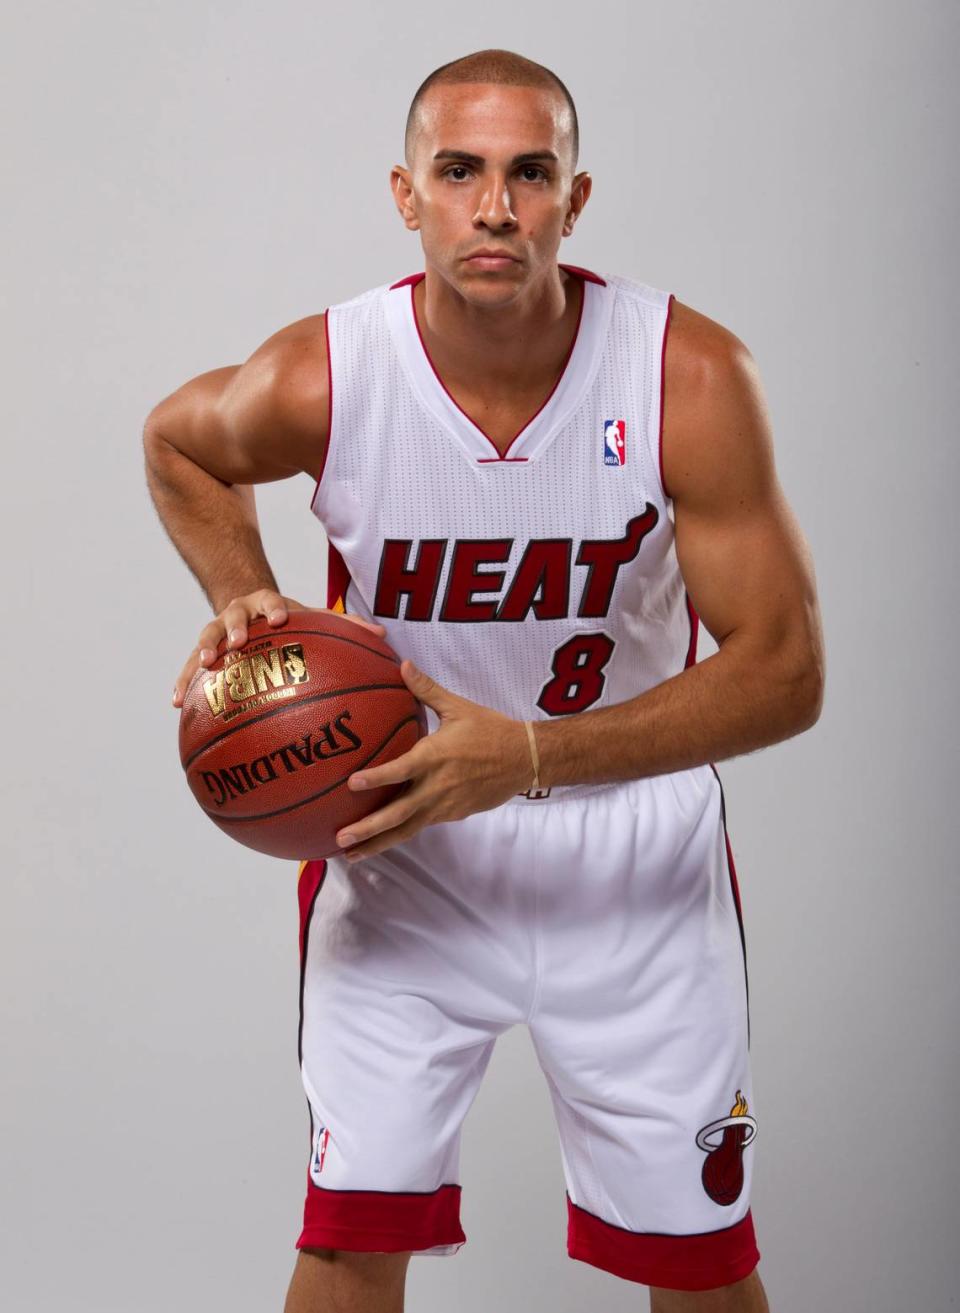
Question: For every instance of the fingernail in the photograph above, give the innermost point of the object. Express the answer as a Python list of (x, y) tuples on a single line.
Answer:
[(175, 694), (235, 635), (358, 782), (276, 616), (353, 857), (207, 654), (345, 840)]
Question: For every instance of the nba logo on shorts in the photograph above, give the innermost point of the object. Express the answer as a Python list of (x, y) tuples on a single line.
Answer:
[(321, 1139), (614, 442)]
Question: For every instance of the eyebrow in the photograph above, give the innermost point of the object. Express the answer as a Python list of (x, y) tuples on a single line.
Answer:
[(529, 157)]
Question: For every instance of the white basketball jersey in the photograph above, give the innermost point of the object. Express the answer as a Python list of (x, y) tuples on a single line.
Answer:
[(541, 582)]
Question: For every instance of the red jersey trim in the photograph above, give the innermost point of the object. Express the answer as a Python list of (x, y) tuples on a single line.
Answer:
[(411, 280), (338, 580), (363, 1220), (663, 376), (309, 879), (694, 619), (673, 1262), (326, 450), (585, 274), (563, 368), (309, 883)]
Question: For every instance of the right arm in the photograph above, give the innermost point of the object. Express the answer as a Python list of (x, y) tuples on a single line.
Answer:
[(207, 443)]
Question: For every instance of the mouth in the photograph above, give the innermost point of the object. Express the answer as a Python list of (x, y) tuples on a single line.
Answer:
[(490, 259)]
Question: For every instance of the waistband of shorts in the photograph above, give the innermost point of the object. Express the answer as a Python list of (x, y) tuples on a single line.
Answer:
[(563, 793)]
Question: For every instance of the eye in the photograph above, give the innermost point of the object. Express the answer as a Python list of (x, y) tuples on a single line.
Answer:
[(460, 170), (533, 173)]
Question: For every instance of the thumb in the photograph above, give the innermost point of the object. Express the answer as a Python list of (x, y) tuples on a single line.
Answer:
[(426, 689)]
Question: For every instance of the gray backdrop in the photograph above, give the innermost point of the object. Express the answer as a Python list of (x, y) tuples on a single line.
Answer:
[(187, 178)]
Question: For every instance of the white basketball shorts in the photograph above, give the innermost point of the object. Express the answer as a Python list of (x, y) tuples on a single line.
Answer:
[(608, 922)]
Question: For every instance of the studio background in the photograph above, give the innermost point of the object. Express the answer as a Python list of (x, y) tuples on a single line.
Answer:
[(182, 180)]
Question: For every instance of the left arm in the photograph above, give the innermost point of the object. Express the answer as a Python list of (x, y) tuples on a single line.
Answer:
[(749, 575)]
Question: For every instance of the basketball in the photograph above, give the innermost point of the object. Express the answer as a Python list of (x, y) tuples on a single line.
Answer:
[(271, 732)]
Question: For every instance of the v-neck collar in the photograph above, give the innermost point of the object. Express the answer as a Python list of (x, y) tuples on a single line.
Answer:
[(578, 372)]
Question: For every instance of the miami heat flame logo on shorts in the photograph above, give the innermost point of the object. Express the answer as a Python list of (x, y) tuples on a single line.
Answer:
[(722, 1174)]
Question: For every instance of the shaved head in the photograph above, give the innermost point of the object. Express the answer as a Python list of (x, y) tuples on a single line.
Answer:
[(499, 68)]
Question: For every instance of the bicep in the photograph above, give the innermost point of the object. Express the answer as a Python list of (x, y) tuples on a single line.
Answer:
[(253, 423), (743, 557)]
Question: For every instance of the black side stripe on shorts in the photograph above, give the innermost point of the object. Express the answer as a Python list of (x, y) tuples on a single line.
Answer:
[(307, 918), (734, 889)]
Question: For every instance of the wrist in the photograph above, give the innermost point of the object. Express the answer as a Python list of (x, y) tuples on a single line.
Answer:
[(536, 781)]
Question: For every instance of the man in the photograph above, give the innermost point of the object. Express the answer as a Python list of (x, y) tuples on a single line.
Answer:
[(536, 481)]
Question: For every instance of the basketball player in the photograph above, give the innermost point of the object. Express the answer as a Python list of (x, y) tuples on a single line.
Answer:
[(536, 480)]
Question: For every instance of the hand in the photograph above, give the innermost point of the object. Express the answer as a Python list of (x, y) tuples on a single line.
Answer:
[(477, 759), (231, 625)]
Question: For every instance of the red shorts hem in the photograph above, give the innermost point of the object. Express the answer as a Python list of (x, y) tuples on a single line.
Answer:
[(671, 1262), (374, 1242), (381, 1221)]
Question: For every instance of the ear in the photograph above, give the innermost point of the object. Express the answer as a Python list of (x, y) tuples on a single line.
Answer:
[(401, 184), (579, 195)]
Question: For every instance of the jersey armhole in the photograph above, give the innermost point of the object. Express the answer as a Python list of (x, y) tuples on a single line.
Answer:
[(663, 379), (326, 453)]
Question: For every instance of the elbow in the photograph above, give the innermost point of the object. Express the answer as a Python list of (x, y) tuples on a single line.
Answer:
[(164, 466), (806, 690), (791, 674), (163, 460), (801, 661), (811, 701), (154, 443)]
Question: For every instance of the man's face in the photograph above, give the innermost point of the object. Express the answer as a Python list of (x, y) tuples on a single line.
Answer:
[(491, 171)]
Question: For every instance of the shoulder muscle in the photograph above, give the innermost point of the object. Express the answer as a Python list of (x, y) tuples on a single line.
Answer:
[(741, 551), (717, 439), (260, 421)]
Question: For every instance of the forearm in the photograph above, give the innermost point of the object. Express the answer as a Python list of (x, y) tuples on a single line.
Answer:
[(727, 705), (212, 524)]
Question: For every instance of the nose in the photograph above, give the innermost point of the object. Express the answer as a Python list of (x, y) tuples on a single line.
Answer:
[(495, 209)]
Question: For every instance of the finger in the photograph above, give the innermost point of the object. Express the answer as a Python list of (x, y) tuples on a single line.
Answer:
[(405, 767), (387, 818), (367, 624), (273, 606), (231, 626), (428, 690), (190, 668), (235, 619), (388, 838), (209, 639)]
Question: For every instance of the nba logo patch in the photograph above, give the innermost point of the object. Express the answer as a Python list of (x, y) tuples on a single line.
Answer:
[(614, 442), (321, 1139)]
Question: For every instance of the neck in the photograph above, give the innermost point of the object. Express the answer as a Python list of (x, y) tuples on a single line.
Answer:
[(512, 347)]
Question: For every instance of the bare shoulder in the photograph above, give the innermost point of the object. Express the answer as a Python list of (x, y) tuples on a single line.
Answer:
[(290, 370), (265, 419), (282, 392), (716, 429), (698, 346)]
